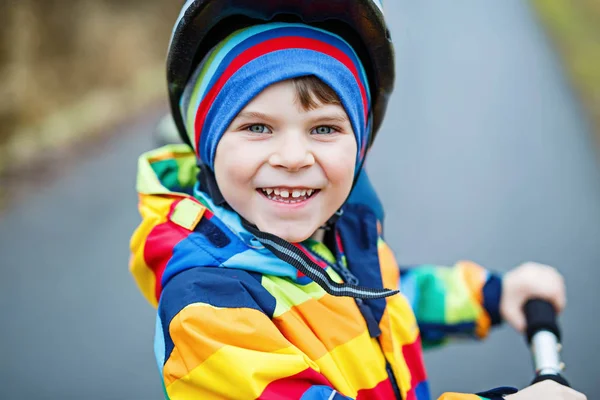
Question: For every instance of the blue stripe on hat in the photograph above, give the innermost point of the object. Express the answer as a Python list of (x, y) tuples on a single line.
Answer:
[(276, 30), (243, 40), (262, 72)]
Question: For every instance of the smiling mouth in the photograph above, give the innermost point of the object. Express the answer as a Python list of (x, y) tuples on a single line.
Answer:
[(288, 195)]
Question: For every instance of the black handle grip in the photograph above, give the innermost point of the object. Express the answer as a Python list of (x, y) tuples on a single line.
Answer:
[(540, 316)]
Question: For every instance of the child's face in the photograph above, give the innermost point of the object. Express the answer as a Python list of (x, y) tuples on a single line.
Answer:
[(283, 168)]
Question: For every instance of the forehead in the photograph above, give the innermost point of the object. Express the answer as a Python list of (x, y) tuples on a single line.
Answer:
[(283, 90), (283, 97)]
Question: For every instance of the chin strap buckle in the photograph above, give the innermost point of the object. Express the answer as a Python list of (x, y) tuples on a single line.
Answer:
[(327, 226)]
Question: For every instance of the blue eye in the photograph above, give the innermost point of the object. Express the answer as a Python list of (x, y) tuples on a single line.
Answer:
[(258, 128), (323, 130)]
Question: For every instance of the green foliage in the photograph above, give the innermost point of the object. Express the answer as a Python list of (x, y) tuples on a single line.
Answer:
[(574, 25)]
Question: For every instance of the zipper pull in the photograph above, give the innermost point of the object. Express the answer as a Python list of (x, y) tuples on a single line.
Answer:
[(367, 314), (347, 276)]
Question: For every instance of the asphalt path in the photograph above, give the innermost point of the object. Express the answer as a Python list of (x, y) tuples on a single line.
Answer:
[(485, 155)]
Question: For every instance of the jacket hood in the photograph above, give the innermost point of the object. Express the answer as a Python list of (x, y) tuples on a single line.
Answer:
[(182, 228)]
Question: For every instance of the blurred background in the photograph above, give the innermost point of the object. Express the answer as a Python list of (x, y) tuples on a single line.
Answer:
[(489, 152)]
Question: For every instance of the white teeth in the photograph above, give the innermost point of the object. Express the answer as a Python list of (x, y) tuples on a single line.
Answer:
[(286, 193)]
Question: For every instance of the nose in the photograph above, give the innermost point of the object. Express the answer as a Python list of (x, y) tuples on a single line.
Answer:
[(292, 152)]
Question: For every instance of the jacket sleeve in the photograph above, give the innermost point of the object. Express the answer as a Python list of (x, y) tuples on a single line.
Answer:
[(215, 340), (463, 300)]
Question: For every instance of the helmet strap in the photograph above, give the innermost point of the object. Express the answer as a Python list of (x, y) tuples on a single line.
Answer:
[(208, 183)]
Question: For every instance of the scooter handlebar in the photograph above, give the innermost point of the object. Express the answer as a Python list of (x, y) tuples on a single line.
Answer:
[(540, 316), (543, 336)]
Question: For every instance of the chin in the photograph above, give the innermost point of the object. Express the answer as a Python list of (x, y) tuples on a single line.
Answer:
[(290, 232)]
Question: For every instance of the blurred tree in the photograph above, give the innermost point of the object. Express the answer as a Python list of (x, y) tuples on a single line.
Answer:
[(57, 54), (575, 28)]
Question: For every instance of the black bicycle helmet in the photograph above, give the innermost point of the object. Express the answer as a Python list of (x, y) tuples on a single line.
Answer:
[(204, 23)]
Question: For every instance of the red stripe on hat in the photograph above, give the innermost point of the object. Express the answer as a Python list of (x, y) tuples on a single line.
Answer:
[(269, 46)]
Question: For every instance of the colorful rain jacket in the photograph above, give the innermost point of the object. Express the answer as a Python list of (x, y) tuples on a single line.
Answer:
[(236, 322)]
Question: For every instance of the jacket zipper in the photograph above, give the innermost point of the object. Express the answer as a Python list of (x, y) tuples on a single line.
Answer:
[(395, 385), (349, 277)]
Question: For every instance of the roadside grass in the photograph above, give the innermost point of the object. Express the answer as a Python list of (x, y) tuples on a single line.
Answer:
[(574, 27), (29, 147)]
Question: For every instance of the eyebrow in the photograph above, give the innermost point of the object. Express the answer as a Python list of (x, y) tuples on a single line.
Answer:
[(339, 118), (253, 115)]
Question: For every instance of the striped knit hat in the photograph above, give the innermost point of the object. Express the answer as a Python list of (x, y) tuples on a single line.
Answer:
[(251, 59)]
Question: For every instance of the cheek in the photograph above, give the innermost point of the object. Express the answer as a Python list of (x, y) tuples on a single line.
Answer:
[(234, 164), (339, 163)]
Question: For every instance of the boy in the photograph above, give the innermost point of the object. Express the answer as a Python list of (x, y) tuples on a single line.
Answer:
[(270, 283)]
